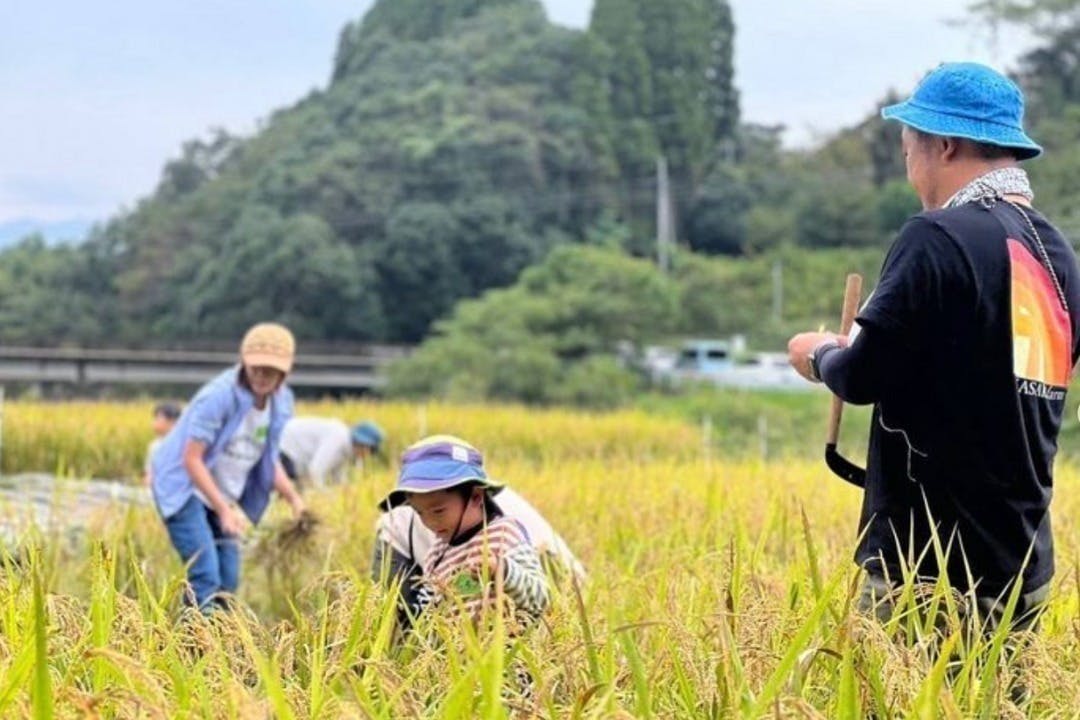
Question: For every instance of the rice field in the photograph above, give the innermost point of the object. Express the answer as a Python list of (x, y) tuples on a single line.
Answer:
[(717, 588)]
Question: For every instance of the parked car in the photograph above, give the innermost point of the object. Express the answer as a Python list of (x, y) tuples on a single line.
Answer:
[(726, 363)]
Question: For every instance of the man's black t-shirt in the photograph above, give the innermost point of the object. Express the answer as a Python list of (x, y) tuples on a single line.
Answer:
[(965, 430)]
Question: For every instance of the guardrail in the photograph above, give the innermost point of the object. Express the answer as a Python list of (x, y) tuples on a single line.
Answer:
[(358, 371)]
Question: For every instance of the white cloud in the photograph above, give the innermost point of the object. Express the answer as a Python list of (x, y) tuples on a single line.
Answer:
[(574, 13), (819, 66)]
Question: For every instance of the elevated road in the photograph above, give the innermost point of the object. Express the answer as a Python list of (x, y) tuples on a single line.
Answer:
[(357, 371)]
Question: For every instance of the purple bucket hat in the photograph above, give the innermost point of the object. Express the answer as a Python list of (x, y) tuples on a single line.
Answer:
[(439, 462)]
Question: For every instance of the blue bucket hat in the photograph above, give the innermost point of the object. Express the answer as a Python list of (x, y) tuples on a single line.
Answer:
[(369, 434), (439, 462), (968, 100)]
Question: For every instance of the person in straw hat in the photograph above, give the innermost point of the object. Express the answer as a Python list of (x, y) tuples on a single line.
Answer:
[(214, 472), (965, 349)]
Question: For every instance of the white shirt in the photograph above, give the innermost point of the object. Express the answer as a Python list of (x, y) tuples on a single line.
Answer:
[(394, 527), (150, 450), (320, 448), (241, 454)]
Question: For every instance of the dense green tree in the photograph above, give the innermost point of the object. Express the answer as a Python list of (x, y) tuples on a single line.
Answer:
[(694, 105), (1056, 174), (760, 155), (720, 91), (551, 336), (54, 295), (768, 228), (712, 301), (598, 299), (771, 180), (627, 74), (452, 148), (200, 160), (896, 202), (287, 269), (1050, 73), (838, 214), (717, 222), (1050, 76), (569, 329), (418, 274), (883, 144), (419, 20), (670, 75)]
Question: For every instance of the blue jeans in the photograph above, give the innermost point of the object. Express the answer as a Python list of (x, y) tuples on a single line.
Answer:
[(211, 556)]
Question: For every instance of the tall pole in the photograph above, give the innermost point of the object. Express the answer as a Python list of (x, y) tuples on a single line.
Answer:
[(778, 290), (665, 225)]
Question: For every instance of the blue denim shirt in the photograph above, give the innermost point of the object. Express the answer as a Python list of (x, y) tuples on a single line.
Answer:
[(212, 417)]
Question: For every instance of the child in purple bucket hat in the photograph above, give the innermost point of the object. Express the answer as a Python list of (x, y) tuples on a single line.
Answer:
[(477, 548)]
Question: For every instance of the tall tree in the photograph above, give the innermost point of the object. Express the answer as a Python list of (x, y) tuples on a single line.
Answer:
[(695, 109), (723, 96), (628, 74), (1051, 72), (883, 144), (670, 75)]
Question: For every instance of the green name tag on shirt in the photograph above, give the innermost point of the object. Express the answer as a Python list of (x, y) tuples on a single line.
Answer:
[(466, 584)]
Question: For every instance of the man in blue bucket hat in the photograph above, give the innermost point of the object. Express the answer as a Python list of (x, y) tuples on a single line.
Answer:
[(965, 349)]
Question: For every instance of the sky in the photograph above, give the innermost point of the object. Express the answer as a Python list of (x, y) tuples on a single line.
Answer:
[(96, 96)]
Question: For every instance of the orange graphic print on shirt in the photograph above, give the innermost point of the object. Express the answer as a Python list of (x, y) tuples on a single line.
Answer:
[(1041, 331)]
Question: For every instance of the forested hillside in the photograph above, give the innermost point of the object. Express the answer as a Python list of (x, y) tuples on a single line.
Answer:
[(458, 142)]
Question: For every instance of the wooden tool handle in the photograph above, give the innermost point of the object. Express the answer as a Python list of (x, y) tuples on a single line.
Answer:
[(852, 296)]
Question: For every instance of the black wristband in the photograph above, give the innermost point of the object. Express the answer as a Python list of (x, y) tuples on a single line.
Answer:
[(816, 355)]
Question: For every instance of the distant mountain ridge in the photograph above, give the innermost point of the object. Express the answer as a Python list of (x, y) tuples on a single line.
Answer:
[(436, 164), (456, 143)]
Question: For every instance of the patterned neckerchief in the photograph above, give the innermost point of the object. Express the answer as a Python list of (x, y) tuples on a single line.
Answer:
[(994, 185)]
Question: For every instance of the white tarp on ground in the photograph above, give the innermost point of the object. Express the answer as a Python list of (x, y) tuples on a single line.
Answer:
[(57, 506)]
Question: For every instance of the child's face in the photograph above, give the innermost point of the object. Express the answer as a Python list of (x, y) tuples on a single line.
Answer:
[(161, 424), (445, 511)]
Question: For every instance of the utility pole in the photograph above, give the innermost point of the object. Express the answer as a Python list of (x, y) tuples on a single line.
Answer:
[(665, 220), (778, 290)]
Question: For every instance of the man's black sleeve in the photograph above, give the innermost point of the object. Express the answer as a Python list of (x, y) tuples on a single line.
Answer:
[(922, 265), (859, 373), (896, 319)]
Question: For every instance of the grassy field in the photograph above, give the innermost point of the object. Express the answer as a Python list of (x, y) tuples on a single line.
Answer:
[(717, 587)]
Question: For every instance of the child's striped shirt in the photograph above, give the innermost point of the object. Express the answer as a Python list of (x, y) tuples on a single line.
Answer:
[(465, 571)]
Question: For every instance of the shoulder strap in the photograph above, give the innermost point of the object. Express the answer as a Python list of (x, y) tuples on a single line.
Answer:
[(412, 553), (1044, 257)]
